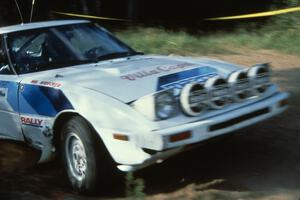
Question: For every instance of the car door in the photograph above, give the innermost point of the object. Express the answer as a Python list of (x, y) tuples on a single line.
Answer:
[(10, 122)]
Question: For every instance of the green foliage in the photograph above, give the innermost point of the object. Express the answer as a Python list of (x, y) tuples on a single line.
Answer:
[(134, 188), (281, 33), (159, 40)]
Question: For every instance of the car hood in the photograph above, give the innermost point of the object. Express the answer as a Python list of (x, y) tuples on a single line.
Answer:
[(131, 78)]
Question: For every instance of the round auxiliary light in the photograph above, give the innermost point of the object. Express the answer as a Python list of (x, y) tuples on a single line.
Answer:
[(240, 85), (218, 92), (260, 77), (192, 99)]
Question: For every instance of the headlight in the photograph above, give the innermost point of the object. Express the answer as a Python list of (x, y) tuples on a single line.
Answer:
[(165, 105), (157, 106), (260, 77), (240, 85), (192, 99), (218, 92)]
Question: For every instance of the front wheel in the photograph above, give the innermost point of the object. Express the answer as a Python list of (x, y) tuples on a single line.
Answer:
[(84, 159)]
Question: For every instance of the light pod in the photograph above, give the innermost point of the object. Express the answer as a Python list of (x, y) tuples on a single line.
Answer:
[(192, 99), (218, 92), (240, 85), (260, 78)]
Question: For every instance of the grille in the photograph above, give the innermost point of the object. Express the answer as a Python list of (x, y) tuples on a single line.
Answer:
[(239, 119)]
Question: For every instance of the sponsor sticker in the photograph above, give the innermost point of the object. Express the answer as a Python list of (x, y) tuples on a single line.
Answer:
[(178, 80), (157, 70), (46, 83), (32, 121)]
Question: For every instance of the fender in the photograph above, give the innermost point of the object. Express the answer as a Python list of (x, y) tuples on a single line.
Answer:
[(99, 110)]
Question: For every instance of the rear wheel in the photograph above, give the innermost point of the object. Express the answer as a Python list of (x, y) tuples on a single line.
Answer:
[(84, 158)]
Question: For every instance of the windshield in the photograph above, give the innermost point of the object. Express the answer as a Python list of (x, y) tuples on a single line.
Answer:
[(61, 46)]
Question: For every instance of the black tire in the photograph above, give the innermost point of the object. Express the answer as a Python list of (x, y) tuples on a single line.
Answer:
[(84, 157)]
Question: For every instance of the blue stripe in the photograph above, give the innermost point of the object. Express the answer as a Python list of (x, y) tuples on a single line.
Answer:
[(42, 100), (178, 80), (35, 100), (57, 98)]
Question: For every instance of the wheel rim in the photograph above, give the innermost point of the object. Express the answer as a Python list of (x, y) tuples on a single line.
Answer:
[(76, 156)]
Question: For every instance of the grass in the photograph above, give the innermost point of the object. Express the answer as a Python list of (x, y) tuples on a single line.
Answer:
[(159, 40), (134, 188), (281, 33)]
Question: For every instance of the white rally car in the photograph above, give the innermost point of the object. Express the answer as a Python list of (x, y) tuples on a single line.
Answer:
[(72, 87)]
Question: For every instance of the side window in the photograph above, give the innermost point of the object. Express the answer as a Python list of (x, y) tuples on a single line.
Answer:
[(37, 51), (4, 64), (27, 52)]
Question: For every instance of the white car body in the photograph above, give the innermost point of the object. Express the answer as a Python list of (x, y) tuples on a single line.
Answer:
[(104, 93)]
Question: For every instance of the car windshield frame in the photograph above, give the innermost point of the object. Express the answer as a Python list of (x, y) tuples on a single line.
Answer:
[(24, 60)]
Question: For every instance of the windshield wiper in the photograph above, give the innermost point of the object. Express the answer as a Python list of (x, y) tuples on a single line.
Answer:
[(118, 55)]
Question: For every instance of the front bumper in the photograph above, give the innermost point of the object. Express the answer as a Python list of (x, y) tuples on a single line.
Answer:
[(162, 143)]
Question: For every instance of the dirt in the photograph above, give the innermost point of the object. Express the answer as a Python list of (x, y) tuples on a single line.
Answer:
[(260, 162)]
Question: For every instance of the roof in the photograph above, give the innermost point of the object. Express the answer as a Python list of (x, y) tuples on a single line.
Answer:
[(27, 26)]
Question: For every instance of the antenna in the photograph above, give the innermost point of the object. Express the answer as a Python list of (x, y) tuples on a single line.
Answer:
[(20, 14), (31, 12)]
